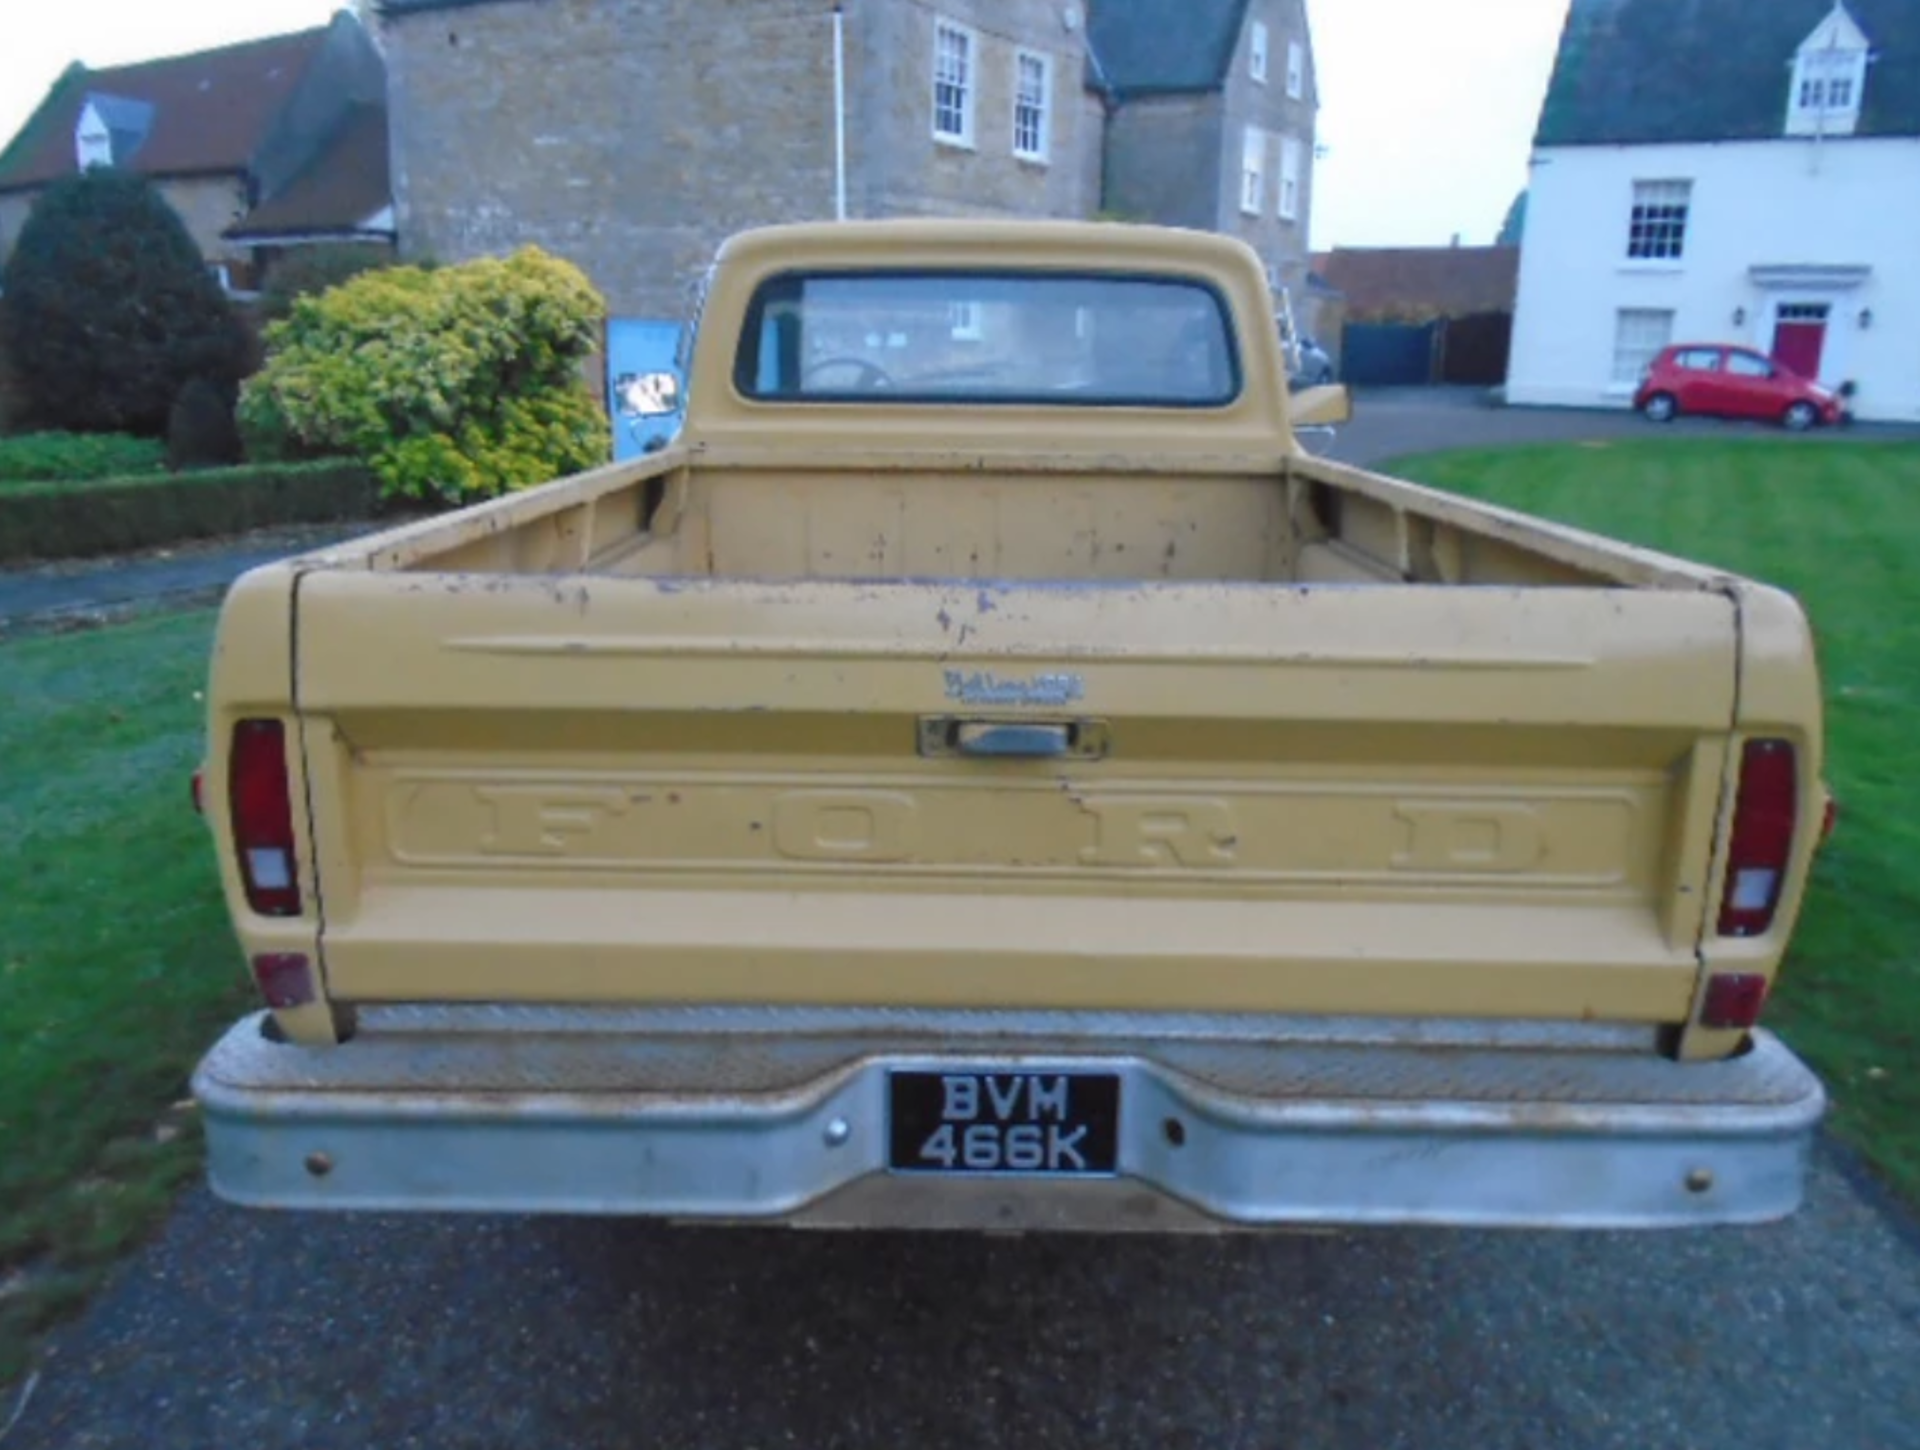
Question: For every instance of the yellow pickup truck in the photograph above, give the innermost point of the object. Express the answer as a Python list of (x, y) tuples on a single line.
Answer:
[(985, 773)]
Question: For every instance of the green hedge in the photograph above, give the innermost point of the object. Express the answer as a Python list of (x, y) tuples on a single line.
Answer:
[(113, 516), (76, 457)]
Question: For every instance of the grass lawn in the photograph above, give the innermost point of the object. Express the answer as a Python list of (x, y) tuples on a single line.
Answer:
[(1837, 524), (117, 965)]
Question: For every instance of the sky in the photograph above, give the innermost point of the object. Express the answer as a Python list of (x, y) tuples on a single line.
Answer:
[(1426, 114)]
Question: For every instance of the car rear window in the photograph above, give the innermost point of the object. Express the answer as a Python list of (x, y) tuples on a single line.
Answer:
[(1064, 339), (1699, 360)]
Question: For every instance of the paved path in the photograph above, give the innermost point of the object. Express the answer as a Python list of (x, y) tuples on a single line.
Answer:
[(190, 571), (243, 1329)]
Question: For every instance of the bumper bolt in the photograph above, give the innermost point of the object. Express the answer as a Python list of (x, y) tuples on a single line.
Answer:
[(838, 1131), (1699, 1180), (319, 1164)]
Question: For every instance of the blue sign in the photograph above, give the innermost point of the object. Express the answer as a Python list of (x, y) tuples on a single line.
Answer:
[(646, 393)]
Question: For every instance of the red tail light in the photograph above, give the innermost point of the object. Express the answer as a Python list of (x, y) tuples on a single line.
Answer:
[(1763, 821), (262, 804), (285, 978), (1733, 999)]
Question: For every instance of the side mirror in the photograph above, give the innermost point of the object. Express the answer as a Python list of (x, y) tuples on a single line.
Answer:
[(1322, 407)]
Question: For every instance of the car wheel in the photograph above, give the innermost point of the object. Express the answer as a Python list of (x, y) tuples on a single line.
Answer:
[(1662, 407), (1801, 416)]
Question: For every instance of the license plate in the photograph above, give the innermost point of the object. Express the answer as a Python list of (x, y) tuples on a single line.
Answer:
[(1029, 1123)]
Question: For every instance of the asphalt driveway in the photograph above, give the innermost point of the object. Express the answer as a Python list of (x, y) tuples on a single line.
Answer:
[(1393, 422), (264, 1331), (244, 1329)]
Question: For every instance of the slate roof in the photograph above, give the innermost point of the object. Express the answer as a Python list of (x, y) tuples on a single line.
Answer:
[(1162, 47), (1649, 71), (419, 7), (210, 110), (1422, 281), (342, 187)]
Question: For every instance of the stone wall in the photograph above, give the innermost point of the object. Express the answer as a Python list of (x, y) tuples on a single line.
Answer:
[(905, 171), (633, 136), (629, 136), (1267, 106), (1165, 161)]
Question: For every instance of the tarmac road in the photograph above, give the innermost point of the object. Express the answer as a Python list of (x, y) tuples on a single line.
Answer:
[(261, 1331)]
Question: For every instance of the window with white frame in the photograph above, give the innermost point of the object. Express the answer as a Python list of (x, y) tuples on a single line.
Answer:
[(1257, 52), (1638, 335), (1289, 179), (954, 49), (1032, 109), (1826, 94), (1657, 231), (1296, 69), (1253, 170), (92, 141)]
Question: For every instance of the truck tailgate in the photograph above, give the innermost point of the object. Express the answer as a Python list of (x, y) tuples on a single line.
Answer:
[(1382, 799)]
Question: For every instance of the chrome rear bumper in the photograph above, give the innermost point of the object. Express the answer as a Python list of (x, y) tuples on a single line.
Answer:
[(779, 1116)]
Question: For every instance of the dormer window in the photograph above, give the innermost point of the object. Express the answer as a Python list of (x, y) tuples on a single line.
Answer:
[(1829, 78), (92, 141)]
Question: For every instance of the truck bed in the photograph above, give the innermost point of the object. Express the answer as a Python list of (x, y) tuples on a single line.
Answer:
[(1302, 521)]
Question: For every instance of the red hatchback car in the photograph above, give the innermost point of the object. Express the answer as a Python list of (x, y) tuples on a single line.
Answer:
[(1732, 382)]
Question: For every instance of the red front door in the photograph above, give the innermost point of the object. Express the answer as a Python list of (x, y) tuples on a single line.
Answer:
[(1798, 343)]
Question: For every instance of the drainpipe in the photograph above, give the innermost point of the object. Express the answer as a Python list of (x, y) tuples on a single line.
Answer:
[(839, 113), (1110, 99)]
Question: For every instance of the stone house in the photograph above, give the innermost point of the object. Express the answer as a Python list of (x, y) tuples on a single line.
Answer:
[(633, 136), (1210, 120), (260, 147)]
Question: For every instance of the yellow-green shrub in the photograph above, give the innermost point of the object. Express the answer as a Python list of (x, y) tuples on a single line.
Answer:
[(451, 385)]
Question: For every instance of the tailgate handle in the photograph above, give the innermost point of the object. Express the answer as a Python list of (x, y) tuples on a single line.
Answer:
[(1013, 739), (1020, 742)]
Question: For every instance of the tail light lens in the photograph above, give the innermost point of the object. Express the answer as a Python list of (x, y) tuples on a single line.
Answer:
[(262, 805), (1763, 822), (1733, 999)]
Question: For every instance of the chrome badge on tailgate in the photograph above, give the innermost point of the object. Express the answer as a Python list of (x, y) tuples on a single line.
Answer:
[(1048, 691)]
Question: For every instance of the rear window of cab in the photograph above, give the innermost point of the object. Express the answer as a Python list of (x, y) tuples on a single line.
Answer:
[(1059, 339)]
